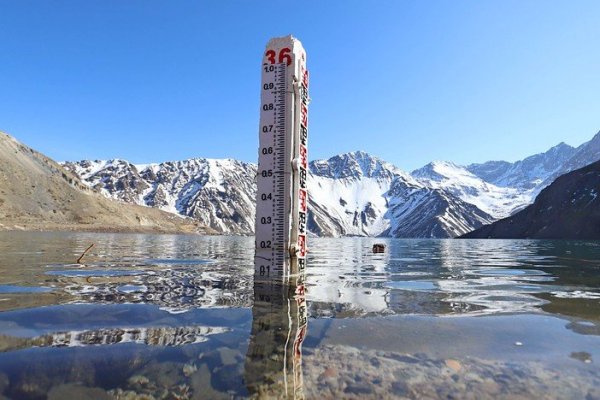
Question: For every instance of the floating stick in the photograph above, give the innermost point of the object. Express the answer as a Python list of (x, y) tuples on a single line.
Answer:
[(86, 250)]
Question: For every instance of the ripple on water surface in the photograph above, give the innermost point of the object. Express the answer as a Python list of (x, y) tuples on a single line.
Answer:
[(147, 315)]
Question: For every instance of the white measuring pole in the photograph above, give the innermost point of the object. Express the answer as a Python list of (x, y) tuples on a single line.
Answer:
[(282, 197)]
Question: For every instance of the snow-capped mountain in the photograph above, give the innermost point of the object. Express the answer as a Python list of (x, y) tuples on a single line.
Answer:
[(418, 211), (501, 188), (217, 193), (355, 194), (497, 201), (567, 209), (526, 174), (357, 165), (349, 194)]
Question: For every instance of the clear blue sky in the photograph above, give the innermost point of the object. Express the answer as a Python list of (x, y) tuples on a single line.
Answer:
[(408, 81)]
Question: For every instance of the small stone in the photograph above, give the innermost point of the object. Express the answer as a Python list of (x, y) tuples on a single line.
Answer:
[(472, 377), (400, 388), (329, 372), (138, 380), (490, 387), (582, 356), (357, 389), (453, 365), (201, 385), (189, 369), (72, 391)]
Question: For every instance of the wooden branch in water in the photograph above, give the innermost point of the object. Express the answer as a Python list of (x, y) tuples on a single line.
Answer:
[(86, 250)]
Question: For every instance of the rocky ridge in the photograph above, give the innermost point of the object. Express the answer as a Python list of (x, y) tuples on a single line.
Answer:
[(37, 193), (568, 208)]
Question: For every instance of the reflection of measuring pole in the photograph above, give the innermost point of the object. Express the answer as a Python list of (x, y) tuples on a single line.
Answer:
[(273, 367), (281, 204)]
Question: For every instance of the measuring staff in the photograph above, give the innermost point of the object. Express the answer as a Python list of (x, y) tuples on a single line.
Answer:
[(282, 197)]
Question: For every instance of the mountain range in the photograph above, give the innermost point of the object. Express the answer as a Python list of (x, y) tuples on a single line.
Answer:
[(36, 193), (352, 194), (568, 208)]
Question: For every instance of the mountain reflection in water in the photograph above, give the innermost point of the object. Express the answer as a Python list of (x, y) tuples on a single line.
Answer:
[(165, 336)]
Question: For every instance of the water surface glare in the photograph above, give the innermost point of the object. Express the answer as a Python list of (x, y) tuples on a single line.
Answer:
[(179, 317)]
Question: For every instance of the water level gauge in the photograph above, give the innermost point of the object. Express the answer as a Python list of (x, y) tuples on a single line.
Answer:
[(281, 204)]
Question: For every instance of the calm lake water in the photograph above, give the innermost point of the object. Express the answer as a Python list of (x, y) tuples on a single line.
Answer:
[(179, 317)]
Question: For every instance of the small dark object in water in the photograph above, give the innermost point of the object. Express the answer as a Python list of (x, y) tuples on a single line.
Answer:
[(378, 248)]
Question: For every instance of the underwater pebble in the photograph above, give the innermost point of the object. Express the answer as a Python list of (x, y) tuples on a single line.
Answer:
[(79, 392), (189, 369), (454, 365), (138, 380), (328, 373)]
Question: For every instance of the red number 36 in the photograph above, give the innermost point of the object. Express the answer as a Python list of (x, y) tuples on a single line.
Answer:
[(284, 56)]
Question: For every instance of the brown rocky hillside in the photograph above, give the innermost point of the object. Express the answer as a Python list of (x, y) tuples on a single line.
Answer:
[(36, 193)]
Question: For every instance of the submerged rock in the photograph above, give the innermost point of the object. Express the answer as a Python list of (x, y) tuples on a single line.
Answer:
[(201, 385), (79, 392)]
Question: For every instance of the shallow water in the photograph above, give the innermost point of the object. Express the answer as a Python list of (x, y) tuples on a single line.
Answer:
[(174, 317)]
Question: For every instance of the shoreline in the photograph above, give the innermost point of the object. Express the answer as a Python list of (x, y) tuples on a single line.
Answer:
[(15, 227)]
